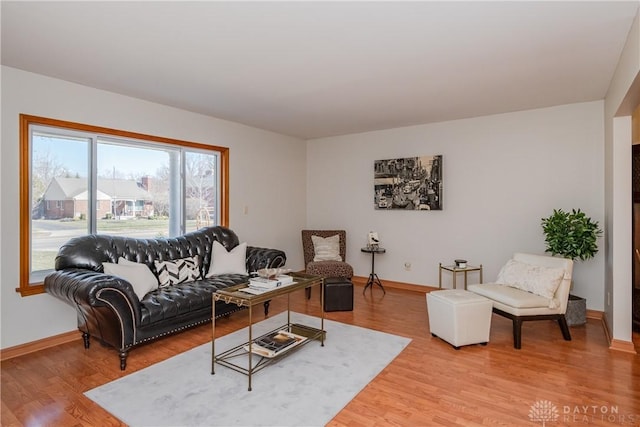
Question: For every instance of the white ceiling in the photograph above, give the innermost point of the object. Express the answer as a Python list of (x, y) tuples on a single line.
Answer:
[(314, 69)]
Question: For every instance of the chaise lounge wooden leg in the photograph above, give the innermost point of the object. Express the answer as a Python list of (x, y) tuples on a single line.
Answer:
[(564, 327), (85, 338), (517, 333)]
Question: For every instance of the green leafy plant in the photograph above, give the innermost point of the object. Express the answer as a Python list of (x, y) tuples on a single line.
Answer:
[(571, 234)]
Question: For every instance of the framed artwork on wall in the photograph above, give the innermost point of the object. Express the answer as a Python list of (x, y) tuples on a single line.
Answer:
[(411, 183)]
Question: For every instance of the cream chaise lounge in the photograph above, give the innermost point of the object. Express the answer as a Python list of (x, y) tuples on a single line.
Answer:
[(530, 287)]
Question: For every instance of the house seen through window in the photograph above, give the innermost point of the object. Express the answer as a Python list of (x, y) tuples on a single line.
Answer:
[(85, 180)]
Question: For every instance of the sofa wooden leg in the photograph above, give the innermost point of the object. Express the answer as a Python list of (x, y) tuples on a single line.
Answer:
[(564, 327), (266, 307), (123, 359), (517, 333), (85, 339)]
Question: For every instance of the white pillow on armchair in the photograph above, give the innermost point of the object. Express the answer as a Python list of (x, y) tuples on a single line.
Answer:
[(539, 280), (326, 249)]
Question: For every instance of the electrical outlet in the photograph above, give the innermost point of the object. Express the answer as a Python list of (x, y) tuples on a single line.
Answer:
[(407, 266)]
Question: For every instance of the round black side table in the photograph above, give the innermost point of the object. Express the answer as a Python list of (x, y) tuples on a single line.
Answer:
[(373, 277)]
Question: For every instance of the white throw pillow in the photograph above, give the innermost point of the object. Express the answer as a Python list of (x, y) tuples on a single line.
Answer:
[(231, 262), (174, 272), (543, 281), (124, 261), (141, 278), (326, 249)]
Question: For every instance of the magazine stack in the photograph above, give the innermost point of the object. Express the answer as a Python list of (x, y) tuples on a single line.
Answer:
[(275, 343)]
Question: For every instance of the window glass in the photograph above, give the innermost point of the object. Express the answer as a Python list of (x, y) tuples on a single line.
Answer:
[(201, 189), (132, 190), (58, 196), (79, 179)]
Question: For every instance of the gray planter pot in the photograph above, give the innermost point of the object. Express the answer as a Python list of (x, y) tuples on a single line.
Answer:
[(576, 311)]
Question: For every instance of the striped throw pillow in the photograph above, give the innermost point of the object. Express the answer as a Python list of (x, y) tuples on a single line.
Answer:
[(178, 271)]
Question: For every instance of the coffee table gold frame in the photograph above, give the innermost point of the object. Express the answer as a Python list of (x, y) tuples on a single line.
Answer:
[(234, 295)]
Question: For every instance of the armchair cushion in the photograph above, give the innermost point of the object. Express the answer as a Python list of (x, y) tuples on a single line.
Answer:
[(537, 279), (521, 302), (510, 296), (326, 249), (330, 269)]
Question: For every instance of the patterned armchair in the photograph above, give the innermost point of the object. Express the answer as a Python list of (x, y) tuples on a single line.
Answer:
[(325, 269)]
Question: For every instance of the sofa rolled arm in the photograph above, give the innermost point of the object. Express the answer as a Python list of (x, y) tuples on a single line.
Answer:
[(258, 258), (97, 296), (78, 285)]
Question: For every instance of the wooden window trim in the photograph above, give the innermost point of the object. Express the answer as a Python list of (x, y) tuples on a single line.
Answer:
[(25, 287)]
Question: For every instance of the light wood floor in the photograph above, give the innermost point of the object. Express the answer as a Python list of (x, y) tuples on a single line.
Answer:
[(428, 384)]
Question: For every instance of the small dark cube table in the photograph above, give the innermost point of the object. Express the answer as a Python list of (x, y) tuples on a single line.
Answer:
[(338, 294)]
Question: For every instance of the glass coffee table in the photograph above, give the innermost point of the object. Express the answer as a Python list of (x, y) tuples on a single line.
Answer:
[(237, 295)]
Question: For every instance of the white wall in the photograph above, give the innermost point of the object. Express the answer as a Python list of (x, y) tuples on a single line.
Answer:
[(502, 174), (619, 247), (267, 174)]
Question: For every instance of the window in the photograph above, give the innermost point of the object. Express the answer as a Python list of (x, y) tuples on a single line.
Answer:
[(79, 179)]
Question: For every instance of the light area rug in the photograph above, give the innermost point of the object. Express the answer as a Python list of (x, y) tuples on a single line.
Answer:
[(306, 388)]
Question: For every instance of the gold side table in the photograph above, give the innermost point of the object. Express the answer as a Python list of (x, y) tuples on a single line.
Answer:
[(455, 270)]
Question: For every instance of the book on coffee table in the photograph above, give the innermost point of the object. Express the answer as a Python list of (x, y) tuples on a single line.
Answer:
[(254, 291), (266, 283), (275, 343)]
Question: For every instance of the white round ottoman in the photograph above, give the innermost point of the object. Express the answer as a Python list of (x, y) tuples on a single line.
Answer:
[(459, 317)]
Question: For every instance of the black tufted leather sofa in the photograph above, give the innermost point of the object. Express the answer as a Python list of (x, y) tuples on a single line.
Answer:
[(109, 310)]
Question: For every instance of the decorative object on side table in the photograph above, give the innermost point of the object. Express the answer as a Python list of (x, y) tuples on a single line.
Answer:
[(373, 240), (575, 236)]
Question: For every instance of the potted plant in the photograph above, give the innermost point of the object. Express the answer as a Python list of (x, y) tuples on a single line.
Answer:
[(572, 235)]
